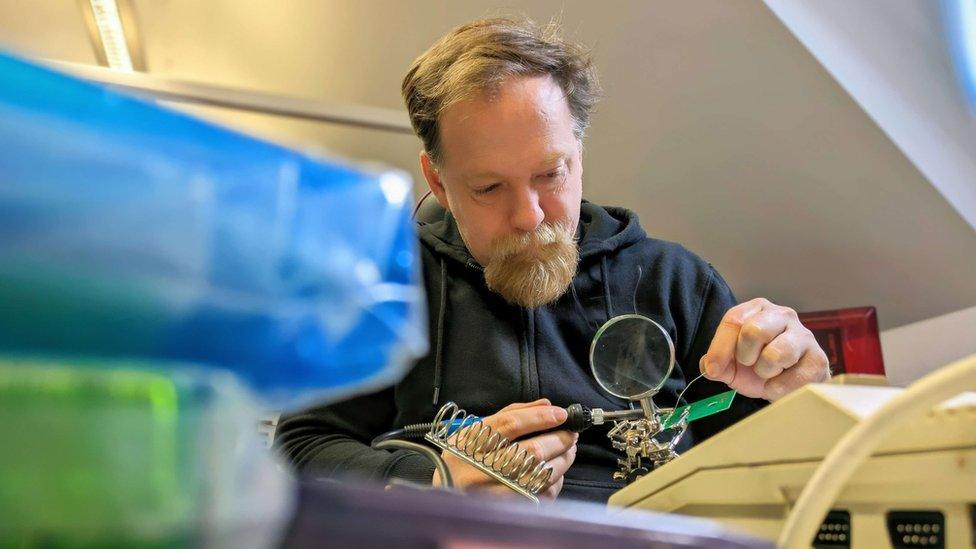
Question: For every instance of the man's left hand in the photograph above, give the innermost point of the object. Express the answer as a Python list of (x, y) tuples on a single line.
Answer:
[(760, 349)]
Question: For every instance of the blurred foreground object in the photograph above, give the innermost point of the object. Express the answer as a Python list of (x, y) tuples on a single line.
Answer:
[(128, 230), (332, 514), (960, 23), (129, 456), (156, 273)]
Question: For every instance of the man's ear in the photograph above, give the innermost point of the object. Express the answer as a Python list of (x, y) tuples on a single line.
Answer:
[(434, 181)]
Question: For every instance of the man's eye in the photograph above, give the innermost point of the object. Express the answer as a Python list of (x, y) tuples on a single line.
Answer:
[(485, 190), (554, 174)]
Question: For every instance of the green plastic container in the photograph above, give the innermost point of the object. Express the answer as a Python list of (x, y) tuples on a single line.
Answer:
[(126, 456)]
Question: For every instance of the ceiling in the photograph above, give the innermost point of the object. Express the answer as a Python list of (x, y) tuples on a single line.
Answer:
[(718, 127)]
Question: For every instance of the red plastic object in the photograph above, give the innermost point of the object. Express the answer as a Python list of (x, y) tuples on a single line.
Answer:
[(850, 339)]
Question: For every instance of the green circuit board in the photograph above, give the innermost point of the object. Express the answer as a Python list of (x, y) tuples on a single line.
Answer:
[(703, 408)]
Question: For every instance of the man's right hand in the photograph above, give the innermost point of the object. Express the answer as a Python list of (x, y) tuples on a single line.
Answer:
[(515, 422)]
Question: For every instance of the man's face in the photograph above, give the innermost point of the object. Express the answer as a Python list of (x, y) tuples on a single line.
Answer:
[(510, 164)]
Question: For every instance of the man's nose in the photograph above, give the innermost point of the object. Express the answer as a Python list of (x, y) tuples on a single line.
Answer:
[(527, 213)]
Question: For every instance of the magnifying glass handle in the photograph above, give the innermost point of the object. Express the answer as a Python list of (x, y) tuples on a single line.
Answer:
[(647, 406)]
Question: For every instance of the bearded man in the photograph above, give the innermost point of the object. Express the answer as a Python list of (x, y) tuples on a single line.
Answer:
[(520, 272)]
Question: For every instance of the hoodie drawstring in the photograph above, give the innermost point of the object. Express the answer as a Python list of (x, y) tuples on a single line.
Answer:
[(606, 286), (439, 349)]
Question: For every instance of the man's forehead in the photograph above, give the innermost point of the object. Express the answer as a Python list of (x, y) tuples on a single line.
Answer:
[(534, 101), (527, 125), (546, 161)]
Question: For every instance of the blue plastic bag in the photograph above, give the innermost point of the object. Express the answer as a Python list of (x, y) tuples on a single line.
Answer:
[(129, 230)]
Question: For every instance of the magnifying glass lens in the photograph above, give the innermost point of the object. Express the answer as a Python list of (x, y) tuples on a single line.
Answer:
[(631, 356)]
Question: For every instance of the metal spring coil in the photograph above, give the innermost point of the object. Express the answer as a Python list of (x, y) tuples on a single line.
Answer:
[(478, 442)]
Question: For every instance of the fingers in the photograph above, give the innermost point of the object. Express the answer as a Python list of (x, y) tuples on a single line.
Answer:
[(719, 361), (781, 353), (549, 449), (759, 330), (557, 449), (757, 346), (813, 367), (550, 445), (515, 421), (559, 464), (519, 405), (518, 422), (553, 490), (741, 378), (562, 462)]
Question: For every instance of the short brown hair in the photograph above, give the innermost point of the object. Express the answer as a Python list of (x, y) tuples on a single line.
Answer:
[(476, 57)]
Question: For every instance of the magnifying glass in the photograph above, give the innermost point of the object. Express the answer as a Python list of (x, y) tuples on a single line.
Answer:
[(632, 357)]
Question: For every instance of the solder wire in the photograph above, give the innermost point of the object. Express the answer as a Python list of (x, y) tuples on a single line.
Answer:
[(677, 402)]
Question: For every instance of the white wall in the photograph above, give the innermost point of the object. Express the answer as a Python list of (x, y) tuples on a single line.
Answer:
[(916, 349), (892, 57), (719, 128)]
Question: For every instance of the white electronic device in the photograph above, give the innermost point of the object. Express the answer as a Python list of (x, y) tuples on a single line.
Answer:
[(916, 485)]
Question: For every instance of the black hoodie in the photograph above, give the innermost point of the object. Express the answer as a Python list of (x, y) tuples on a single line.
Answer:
[(486, 353)]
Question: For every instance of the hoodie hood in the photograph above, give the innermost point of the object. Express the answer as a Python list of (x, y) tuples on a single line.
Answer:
[(604, 230)]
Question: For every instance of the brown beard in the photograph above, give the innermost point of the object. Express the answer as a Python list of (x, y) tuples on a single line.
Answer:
[(533, 269)]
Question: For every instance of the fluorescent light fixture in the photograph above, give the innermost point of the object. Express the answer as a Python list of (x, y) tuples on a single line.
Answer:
[(112, 34), (112, 29), (960, 19)]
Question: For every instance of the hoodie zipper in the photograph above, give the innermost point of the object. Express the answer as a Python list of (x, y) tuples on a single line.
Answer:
[(530, 366)]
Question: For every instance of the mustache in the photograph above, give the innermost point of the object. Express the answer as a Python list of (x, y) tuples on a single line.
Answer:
[(546, 235), (533, 269)]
